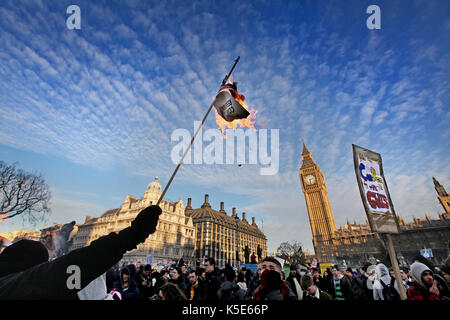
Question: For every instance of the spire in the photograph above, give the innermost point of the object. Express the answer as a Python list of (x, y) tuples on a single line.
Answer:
[(305, 150), (439, 188)]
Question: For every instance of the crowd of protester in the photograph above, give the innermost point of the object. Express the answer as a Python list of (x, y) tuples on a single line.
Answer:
[(422, 281), (86, 274)]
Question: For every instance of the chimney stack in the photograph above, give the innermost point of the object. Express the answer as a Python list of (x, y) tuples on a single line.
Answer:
[(234, 213), (253, 220), (189, 203), (206, 203), (243, 216), (222, 209)]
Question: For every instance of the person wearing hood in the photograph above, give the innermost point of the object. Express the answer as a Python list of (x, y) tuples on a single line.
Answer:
[(127, 286), (271, 286), (228, 289), (424, 286), (442, 285), (294, 282), (26, 273), (382, 281)]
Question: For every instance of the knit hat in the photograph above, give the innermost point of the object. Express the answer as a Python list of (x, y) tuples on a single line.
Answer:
[(21, 256), (293, 267), (417, 269), (272, 259)]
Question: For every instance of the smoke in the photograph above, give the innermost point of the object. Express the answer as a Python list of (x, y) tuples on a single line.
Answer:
[(61, 241)]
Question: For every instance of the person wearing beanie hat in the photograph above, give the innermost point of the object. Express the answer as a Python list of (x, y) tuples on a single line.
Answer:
[(26, 273), (22, 255), (424, 287)]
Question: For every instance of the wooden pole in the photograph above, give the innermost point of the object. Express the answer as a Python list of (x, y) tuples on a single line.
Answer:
[(392, 255)]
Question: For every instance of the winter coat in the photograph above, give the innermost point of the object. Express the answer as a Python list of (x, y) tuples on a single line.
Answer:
[(323, 296), (210, 285), (367, 293), (292, 286), (254, 283), (419, 291), (48, 280), (131, 292), (145, 291), (196, 292), (230, 291), (357, 286), (273, 288), (180, 283), (111, 277), (326, 284), (346, 288)]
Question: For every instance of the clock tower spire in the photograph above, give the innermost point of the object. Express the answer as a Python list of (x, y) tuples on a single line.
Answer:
[(318, 205)]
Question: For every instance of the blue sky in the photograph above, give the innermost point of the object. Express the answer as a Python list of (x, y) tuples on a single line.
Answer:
[(93, 109)]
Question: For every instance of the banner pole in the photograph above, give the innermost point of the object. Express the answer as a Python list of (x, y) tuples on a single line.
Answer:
[(394, 262)]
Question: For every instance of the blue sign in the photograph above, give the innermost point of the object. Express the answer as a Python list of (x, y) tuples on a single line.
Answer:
[(252, 267)]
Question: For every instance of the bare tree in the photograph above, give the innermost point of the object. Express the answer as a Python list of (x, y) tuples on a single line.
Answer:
[(291, 252), (22, 193)]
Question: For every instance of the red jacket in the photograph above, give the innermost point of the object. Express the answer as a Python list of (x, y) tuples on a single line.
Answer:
[(417, 292)]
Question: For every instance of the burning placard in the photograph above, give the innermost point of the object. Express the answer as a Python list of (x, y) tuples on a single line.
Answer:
[(231, 109), (228, 103), (374, 192)]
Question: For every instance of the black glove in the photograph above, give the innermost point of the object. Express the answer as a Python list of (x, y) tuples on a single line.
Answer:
[(145, 222)]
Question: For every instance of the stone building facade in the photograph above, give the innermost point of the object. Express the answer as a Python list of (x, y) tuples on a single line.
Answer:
[(173, 239), (224, 237), (354, 243)]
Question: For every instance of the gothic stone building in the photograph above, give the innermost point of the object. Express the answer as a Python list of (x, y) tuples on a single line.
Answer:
[(173, 239), (356, 243), (226, 238)]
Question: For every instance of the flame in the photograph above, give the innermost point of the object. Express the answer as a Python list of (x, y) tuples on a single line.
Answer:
[(243, 123)]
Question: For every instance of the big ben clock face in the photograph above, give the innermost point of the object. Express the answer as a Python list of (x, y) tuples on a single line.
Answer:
[(310, 179)]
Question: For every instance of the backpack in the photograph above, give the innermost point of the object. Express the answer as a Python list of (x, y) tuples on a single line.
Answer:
[(389, 292)]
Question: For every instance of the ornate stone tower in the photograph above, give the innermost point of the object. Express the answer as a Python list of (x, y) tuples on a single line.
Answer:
[(443, 196), (318, 205)]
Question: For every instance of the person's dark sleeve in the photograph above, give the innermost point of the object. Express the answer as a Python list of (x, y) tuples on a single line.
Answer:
[(49, 280)]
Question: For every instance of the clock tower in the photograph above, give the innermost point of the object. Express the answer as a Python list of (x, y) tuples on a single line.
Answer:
[(319, 210)]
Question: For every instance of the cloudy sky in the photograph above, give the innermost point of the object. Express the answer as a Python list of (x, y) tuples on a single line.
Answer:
[(94, 109)]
